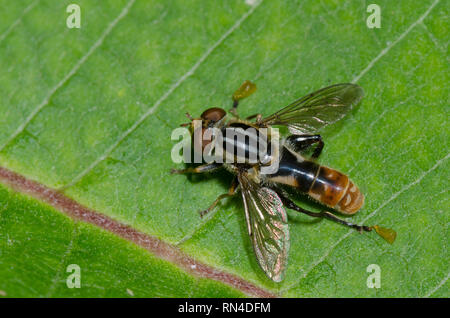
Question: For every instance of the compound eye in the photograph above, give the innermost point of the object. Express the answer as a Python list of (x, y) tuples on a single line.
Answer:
[(213, 114)]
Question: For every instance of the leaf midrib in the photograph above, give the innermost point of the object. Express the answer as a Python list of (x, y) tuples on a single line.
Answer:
[(154, 245)]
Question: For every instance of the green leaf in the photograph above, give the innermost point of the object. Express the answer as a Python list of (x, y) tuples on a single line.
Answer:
[(37, 244), (90, 111)]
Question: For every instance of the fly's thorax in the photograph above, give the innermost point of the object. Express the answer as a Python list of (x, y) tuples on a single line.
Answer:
[(244, 143), (235, 142)]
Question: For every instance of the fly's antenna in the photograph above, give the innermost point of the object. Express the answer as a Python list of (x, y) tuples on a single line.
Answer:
[(190, 117)]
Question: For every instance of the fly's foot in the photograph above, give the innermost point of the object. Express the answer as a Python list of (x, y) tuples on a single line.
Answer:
[(176, 171)]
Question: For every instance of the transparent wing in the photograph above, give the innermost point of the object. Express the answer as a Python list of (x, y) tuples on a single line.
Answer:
[(267, 227), (318, 109)]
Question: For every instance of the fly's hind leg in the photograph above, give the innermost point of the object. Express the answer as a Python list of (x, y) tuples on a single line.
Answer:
[(199, 169), (387, 234), (325, 215), (246, 89), (301, 143), (231, 192)]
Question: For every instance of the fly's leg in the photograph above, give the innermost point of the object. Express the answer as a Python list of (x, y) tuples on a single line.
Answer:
[(257, 116), (301, 143), (246, 89), (231, 192), (324, 214), (387, 234), (199, 169)]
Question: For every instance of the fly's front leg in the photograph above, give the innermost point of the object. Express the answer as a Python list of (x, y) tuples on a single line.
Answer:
[(199, 169), (301, 143), (246, 89), (231, 192)]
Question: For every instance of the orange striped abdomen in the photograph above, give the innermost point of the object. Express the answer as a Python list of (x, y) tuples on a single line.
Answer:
[(335, 190)]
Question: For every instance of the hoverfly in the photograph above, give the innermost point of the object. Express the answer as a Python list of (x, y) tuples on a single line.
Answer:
[(264, 195)]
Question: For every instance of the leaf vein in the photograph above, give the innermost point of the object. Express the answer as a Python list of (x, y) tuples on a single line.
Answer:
[(152, 109), (72, 72), (391, 45), (433, 39), (441, 283), (18, 20), (159, 248)]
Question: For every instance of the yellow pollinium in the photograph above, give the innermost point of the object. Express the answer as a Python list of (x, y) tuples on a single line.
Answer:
[(247, 88), (388, 234)]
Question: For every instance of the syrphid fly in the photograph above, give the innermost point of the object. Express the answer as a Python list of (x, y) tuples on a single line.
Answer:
[(264, 190)]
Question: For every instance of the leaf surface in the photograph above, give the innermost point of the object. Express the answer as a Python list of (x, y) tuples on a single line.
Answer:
[(91, 110)]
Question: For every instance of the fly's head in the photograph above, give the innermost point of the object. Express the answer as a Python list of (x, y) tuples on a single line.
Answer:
[(212, 117), (201, 128)]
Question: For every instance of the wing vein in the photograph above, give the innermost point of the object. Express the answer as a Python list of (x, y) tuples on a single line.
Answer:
[(72, 72)]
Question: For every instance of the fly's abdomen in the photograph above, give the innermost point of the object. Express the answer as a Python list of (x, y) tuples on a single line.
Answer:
[(336, 190), (328, 186)]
